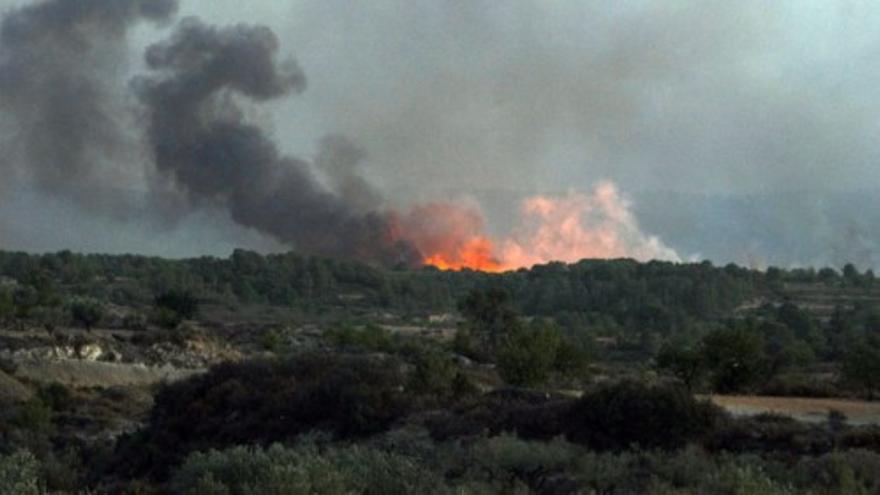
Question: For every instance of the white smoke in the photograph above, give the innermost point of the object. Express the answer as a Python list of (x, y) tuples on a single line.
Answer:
[(576, 226)]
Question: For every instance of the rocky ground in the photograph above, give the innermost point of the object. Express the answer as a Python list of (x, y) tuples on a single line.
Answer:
[(106, 376), (106, 358)]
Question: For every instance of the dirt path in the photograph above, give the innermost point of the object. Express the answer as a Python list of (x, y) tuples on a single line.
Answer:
[(801, 408)]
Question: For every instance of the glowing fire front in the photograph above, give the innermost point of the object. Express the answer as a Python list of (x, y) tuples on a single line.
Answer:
[(450, 237), (566, 228), (477, 254)]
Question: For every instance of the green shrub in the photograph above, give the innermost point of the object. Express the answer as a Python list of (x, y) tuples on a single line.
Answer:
[(63, 471), (861, 366), (531, 355), (735, 358), (513, 460), (50, 317), (465, 343), (687, 467), (134, 321), (370, 337), (252, 470), (272, 341), (378, 473), (434, 374), (33, 416), (855, 472), (572, 360), (180, 302), (8, 365), (304, 469), (491, 317), (608, 473), (7, 305), (165, 318), (19, 474), (862, 437), (732, 479), (684, 363), (266, 401), (86, 313), (55, 395), (618, 416), (527, 355), (531, 414), (765, 433)]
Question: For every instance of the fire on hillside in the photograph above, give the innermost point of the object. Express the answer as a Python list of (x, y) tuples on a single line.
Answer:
[(550, 228)]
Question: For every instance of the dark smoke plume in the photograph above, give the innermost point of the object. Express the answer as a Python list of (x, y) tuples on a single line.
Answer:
[(202, 141), (58, 62)]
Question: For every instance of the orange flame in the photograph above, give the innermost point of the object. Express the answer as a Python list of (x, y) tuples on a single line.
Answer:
[(566, 228), (449, 237), (475, 254)]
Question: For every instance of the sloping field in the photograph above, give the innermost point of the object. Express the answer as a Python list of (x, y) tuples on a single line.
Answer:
[(803, 409)]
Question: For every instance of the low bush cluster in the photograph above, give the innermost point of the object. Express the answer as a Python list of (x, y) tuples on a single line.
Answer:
[(769, 433), (630, 413), (369, 338), (268, 401), (530, 414), (20, 474), (304, 469)]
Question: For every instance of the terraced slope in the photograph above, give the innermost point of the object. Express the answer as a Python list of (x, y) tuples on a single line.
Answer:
[(821, 299)]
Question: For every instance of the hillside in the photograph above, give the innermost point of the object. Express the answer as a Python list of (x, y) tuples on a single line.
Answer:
[(118, 370)]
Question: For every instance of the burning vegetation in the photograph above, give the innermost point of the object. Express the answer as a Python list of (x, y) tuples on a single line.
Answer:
[(550, 228)]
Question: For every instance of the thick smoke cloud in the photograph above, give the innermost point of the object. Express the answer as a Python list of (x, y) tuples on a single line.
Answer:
[(71, 130), (742, 131), (201, 139), (717, 108), (64, 120)]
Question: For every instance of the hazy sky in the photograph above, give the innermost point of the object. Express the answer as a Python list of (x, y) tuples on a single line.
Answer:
[(697, 96), (455, 98)]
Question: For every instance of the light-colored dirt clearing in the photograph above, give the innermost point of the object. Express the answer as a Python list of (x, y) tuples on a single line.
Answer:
[(801, 408), (80, 373)]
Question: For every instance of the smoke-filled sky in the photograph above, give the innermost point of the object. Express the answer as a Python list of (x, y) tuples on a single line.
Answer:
[(739, 131)]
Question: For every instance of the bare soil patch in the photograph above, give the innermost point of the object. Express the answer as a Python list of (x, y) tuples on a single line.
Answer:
[(801, 408)]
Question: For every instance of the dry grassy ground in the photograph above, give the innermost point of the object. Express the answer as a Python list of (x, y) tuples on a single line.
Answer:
[(804, 409), (78, 373)]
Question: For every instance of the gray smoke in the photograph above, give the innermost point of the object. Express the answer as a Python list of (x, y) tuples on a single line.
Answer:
[(201, 139), (739, 101), (742, 130), (339, 159), (66, 120)]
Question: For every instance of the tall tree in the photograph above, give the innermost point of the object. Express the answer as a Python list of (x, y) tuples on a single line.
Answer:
[(861, 365), (490, 316), (736, 359), (86, 313)]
